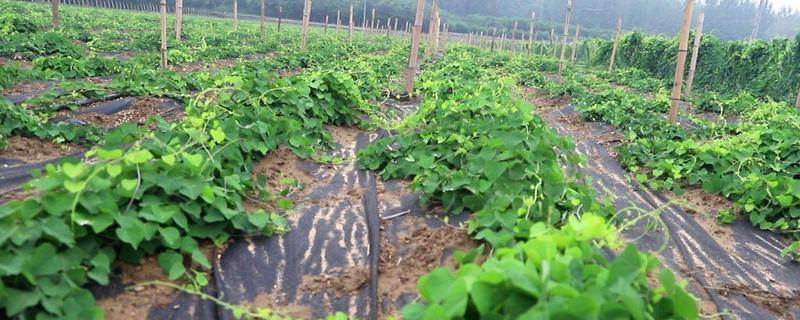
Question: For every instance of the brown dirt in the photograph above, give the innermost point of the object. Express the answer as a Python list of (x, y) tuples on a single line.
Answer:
[(705, 208), (17, 60), (136, 302), (779, 305), (32, 150), (422, 249), (17, 194), (122, 55), (276, 166), (140, 110), (216, 64), (541, 100), (339, 282), (279, 305), (25, 88)]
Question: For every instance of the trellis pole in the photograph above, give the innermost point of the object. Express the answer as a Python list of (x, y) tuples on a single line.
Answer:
[(615, 45), (798, 99), (56, 13), (163, 34), (261, 19), (372, 23), (553, 41), (698, 37), (564, 39), (575, 43), (306, 21), (494, 37), (432, 22), (235, 15), (350, 35), (395, 24), (514, 36), (531, 33), (280, 17), (683, 47), (179, 18), (413, 64), (326, 25), (338, 21)]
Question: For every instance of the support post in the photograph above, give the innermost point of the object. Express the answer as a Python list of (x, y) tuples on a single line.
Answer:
[(350, 35), (163, 34), (531, 33), (261, 19), (56, 13), (564, 39), (338, 21), (683, 47), (575, 43), (280, 17), (698, 38), (616, 45), (413, 64), (326, 25), (798, 99), (235, 15), (306, 21), (179, 18)]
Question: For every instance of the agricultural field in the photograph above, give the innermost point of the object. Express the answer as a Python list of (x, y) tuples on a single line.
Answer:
[(295, 171)]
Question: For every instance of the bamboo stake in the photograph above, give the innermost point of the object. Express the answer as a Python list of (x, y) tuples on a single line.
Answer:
[(306, 20), (56, 13), (350, 35), (179, 18), (531, 33), (564, 39), (798, 100), (163, 34), (698, 37), (280, 17), (575, 43), (683, 47), (326, 25), (261, 19), (338, 20), (235, 15), (395, 24), (372, 22), (494, 36), (432, 22), (407, 26), (514, 32), (553, 40), (502, 41), (616, 45), (411, 70)]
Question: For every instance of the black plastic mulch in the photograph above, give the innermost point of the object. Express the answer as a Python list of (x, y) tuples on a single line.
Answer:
[(745, 279)]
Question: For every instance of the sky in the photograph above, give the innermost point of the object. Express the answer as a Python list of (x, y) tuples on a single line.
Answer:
[(794, 4)]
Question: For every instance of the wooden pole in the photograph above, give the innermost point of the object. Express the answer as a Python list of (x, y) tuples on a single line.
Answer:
[(338, 20), (395, 24), (698, 37), (761, 5), (164, 34), (350, 35), (262, 19), (798, 100), (494, 36), (432, 22), (56, 13), (564, 39), (553, 40), (514, 32), (531, 33), (235, 15), (615, 45), (326, 25), (280, 17), (372, 22), (179, 18), (683, 47), (575, 43), (306, 21), (413, 64)]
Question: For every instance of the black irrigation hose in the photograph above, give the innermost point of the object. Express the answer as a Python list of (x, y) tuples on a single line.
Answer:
[(373, 235)]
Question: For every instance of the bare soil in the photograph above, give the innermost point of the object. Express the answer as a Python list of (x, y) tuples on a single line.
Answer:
[(140, 110), (136, 302), (33, 150)]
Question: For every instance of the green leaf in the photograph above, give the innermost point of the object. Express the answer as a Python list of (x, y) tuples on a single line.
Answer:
[(73, 170), (168, 159), (171, 264), (285, 203), (138, 156), (113, 170), (74, 186), (171, 236), (258, 219), (109, 154), (56, 228), (129, 184), (435, 285), (16, 301)]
